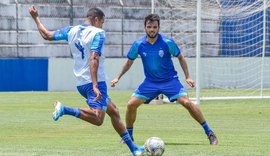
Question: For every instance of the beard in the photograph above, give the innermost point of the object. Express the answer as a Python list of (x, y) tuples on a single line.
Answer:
[(152, 36)]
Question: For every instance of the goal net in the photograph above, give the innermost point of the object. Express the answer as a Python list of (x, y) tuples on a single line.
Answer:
[(225, 42)]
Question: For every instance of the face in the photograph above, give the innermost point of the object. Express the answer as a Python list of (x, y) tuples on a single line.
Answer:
[(98, 22), (152, 29)]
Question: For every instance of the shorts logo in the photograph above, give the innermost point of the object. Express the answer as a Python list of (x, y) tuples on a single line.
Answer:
[(161, 53)]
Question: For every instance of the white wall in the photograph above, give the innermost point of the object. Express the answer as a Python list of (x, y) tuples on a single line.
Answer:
[(60, 75), (226, 72)]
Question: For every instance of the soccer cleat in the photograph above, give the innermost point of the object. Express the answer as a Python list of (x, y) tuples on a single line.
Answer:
[(58, 110), (212, 139), (139, 151)]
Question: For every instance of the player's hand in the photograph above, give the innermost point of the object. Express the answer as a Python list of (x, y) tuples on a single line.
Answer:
[(114, 81), (97, 92), (190, 82), (33, 11)]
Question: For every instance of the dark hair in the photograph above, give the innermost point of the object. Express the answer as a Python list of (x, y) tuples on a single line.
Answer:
[(95, 12), (151, 18)]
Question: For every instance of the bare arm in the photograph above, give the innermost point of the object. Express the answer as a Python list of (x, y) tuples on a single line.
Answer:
[(125, 68), (94, 63), (184, 67), (46, 34)]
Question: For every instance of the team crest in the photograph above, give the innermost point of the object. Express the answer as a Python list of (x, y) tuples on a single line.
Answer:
[(144, 54), (161, 53)]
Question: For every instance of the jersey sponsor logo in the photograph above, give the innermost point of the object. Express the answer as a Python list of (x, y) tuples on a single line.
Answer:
[(161, 53)]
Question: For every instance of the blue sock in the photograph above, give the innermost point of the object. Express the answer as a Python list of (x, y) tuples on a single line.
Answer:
[(127, 139), (72, 111), (206, 128), (130, 132)]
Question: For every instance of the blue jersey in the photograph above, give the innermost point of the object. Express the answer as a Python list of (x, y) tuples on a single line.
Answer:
[(156, 58)]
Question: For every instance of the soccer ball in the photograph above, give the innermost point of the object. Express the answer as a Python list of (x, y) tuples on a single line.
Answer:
[(154, 146)]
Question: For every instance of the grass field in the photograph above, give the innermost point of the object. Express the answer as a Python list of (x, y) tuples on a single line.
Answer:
[(27, 129)]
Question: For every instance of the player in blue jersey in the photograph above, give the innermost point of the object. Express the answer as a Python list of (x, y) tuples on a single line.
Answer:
[(161, 77), (86, 42)]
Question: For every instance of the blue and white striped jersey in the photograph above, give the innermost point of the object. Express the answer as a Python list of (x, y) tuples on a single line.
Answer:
[(84, 39)]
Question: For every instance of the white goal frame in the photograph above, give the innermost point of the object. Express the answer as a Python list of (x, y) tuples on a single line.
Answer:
[(198, 97)]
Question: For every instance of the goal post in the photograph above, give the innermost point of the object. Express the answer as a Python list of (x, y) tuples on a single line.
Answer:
[(226, 43)]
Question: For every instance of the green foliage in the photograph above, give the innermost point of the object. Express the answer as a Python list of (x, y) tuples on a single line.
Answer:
[(27, 128)]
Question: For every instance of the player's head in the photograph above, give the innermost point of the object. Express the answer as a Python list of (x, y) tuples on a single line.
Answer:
[(151, 25), (96, 17)]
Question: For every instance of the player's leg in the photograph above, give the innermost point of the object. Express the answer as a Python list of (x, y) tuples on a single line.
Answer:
[(120, 128), (197, 114), (175, 91), (116, 121), (131, 111), (94, 114), (146, 92), (91, 115), (193, 109)]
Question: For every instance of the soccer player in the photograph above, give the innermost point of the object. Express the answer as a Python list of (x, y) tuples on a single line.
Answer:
[(160, 75), (86, 42)]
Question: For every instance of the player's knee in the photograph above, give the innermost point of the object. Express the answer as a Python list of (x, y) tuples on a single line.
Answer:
[(132, 106), (186, 103), (99, 119), (99, 122), (114, 112)]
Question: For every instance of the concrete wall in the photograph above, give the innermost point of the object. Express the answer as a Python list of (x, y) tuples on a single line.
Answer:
[(230, 73), (56, 74), (61, 75), (19, 36)]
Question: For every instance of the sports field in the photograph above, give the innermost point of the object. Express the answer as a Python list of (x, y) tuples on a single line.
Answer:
[(27, 129)]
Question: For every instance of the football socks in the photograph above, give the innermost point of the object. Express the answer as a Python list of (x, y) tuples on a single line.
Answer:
[(127, 139), (130, 132), (206, 128), (72, 111)]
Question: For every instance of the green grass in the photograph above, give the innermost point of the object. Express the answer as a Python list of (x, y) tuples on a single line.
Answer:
[(229, 92), (27, 129)]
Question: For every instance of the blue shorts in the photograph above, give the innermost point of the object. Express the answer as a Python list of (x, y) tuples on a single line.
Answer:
[(87, 92), (149, 90)]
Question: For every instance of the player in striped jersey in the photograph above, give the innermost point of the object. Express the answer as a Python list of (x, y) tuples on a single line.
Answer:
[(86, 42)]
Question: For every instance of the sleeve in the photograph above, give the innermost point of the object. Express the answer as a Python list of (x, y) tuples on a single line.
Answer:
[(173, 48), (98, 42), (133, 51), (61, 34)]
